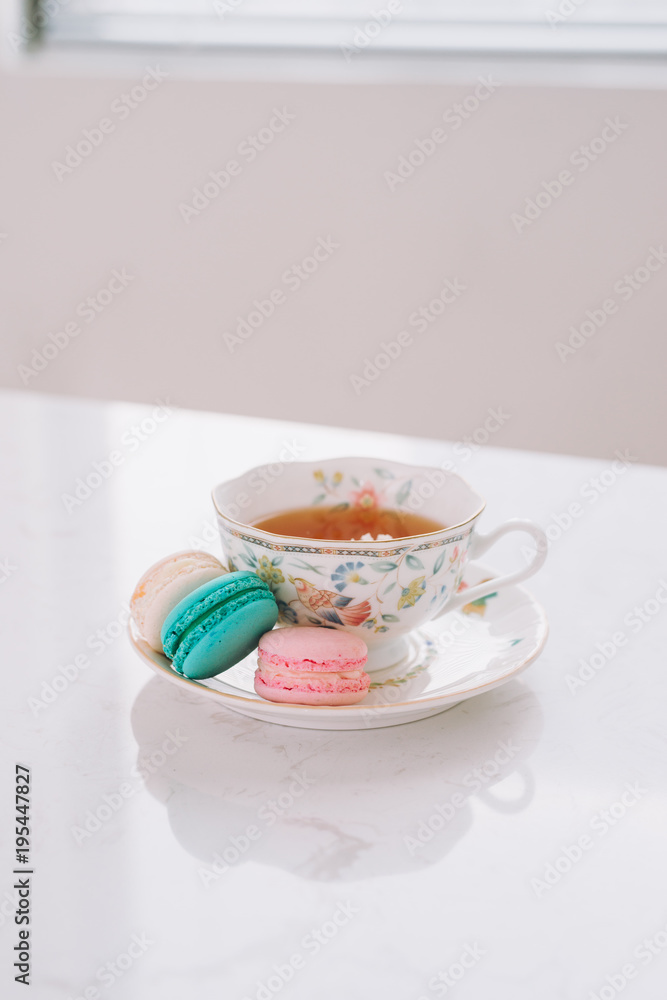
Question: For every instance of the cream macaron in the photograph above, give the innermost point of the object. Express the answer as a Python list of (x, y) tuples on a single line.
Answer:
[(164, 585)]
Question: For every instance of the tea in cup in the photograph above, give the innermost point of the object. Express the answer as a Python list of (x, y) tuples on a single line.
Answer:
[(371, 546)]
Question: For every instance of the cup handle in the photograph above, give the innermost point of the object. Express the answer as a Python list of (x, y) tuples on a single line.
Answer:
[(481, 543)]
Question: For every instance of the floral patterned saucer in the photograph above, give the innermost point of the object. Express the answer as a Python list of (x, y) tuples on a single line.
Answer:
[(463, 654)]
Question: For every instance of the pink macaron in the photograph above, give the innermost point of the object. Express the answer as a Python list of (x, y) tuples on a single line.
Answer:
[(312, 666)]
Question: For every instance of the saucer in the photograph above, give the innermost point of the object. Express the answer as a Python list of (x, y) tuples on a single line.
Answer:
[(466, 652)]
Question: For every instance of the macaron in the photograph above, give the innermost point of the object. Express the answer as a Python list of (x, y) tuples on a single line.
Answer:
[(165, 584), (312, 666), (218, 624)]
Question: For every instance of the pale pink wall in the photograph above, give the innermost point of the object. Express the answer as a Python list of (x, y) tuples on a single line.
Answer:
[(323, 177)]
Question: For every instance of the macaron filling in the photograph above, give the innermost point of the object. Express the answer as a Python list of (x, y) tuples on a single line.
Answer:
[(310, 666), (194, 607), (282, 677), (312, 649)]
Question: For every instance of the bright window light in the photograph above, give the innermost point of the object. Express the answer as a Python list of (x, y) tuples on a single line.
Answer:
[(521, 26)]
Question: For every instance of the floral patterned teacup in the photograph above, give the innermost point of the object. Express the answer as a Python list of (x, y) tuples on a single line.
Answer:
[(379, 590)]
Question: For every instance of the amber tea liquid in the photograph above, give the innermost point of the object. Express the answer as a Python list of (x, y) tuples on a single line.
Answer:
[(341, 522)]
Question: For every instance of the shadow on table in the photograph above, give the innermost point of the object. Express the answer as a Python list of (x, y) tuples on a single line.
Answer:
[(333, 805)]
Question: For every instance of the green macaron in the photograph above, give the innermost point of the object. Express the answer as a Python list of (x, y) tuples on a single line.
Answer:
[(218, 624)]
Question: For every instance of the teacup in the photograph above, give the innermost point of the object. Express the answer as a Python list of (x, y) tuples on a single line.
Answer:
[(379, 590)]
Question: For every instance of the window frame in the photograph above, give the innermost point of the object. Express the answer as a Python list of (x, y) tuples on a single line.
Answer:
[(458, 63)]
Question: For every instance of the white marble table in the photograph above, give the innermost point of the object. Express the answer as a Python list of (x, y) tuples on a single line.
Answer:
[(548, 883)]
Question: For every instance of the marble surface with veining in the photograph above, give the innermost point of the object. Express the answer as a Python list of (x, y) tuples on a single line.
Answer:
[(510, 848)]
